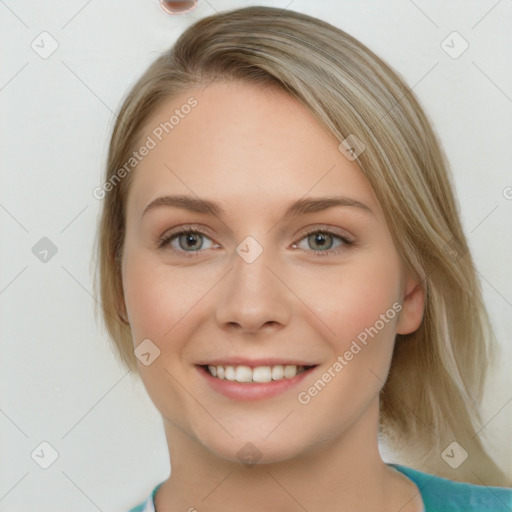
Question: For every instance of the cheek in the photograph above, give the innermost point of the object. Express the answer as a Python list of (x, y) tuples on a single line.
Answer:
[(162, 304), (144, 300), (159, 299), (355, 296)]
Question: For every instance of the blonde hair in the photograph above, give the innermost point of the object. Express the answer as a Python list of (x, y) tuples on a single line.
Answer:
[(437, 375)]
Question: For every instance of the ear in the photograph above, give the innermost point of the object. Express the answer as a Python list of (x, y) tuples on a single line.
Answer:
[(413, 305)]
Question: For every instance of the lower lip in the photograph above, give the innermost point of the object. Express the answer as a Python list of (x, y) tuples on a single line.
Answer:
[(251, 390)]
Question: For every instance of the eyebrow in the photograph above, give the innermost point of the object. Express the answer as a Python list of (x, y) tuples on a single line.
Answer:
[(299, 207)]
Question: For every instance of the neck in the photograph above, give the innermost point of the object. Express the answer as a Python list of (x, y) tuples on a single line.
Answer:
[(339, 473)]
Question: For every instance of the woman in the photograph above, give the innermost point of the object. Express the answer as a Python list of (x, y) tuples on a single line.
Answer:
[(282, 261)]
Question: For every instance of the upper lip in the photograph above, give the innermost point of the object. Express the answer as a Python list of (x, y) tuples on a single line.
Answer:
[(253, 363)]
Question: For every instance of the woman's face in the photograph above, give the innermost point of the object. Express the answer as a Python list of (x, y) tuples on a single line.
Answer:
[(296, 267)]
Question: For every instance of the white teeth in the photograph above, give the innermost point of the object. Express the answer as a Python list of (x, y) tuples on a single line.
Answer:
[(277, 372), (290, 371), (243, 374), (259, 374), (262, 374), (230, 373)]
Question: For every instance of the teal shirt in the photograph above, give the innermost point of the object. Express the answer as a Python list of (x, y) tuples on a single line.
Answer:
[(438, 494)]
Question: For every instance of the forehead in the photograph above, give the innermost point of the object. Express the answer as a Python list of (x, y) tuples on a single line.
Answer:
[(243, 142)]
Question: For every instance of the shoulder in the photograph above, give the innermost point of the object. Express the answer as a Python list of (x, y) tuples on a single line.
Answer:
[(149, 504), (444, 495)]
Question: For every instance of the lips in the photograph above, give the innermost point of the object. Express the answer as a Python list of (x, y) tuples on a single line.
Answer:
[(253, 363), (253, 380)]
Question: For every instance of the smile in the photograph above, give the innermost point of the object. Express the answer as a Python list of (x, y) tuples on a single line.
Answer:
[(242, 382), (243, 373)]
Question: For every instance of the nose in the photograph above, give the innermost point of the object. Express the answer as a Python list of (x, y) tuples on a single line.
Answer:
[(254, 295)]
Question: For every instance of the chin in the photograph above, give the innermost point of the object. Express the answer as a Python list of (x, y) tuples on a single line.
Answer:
[(254, 450)]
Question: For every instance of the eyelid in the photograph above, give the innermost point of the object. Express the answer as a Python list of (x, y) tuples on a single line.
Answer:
[(164, 240), (347, 239), (332, 230)]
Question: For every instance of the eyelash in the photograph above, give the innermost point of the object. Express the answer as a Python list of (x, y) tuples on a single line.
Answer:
[(164, 240)]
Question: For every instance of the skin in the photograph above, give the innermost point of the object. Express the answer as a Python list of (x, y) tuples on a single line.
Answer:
[(254, 150)]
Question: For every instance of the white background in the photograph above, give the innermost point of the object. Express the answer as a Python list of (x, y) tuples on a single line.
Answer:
[(59, 381)]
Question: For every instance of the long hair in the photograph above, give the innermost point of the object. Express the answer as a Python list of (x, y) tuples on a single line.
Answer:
[(436, 380)]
